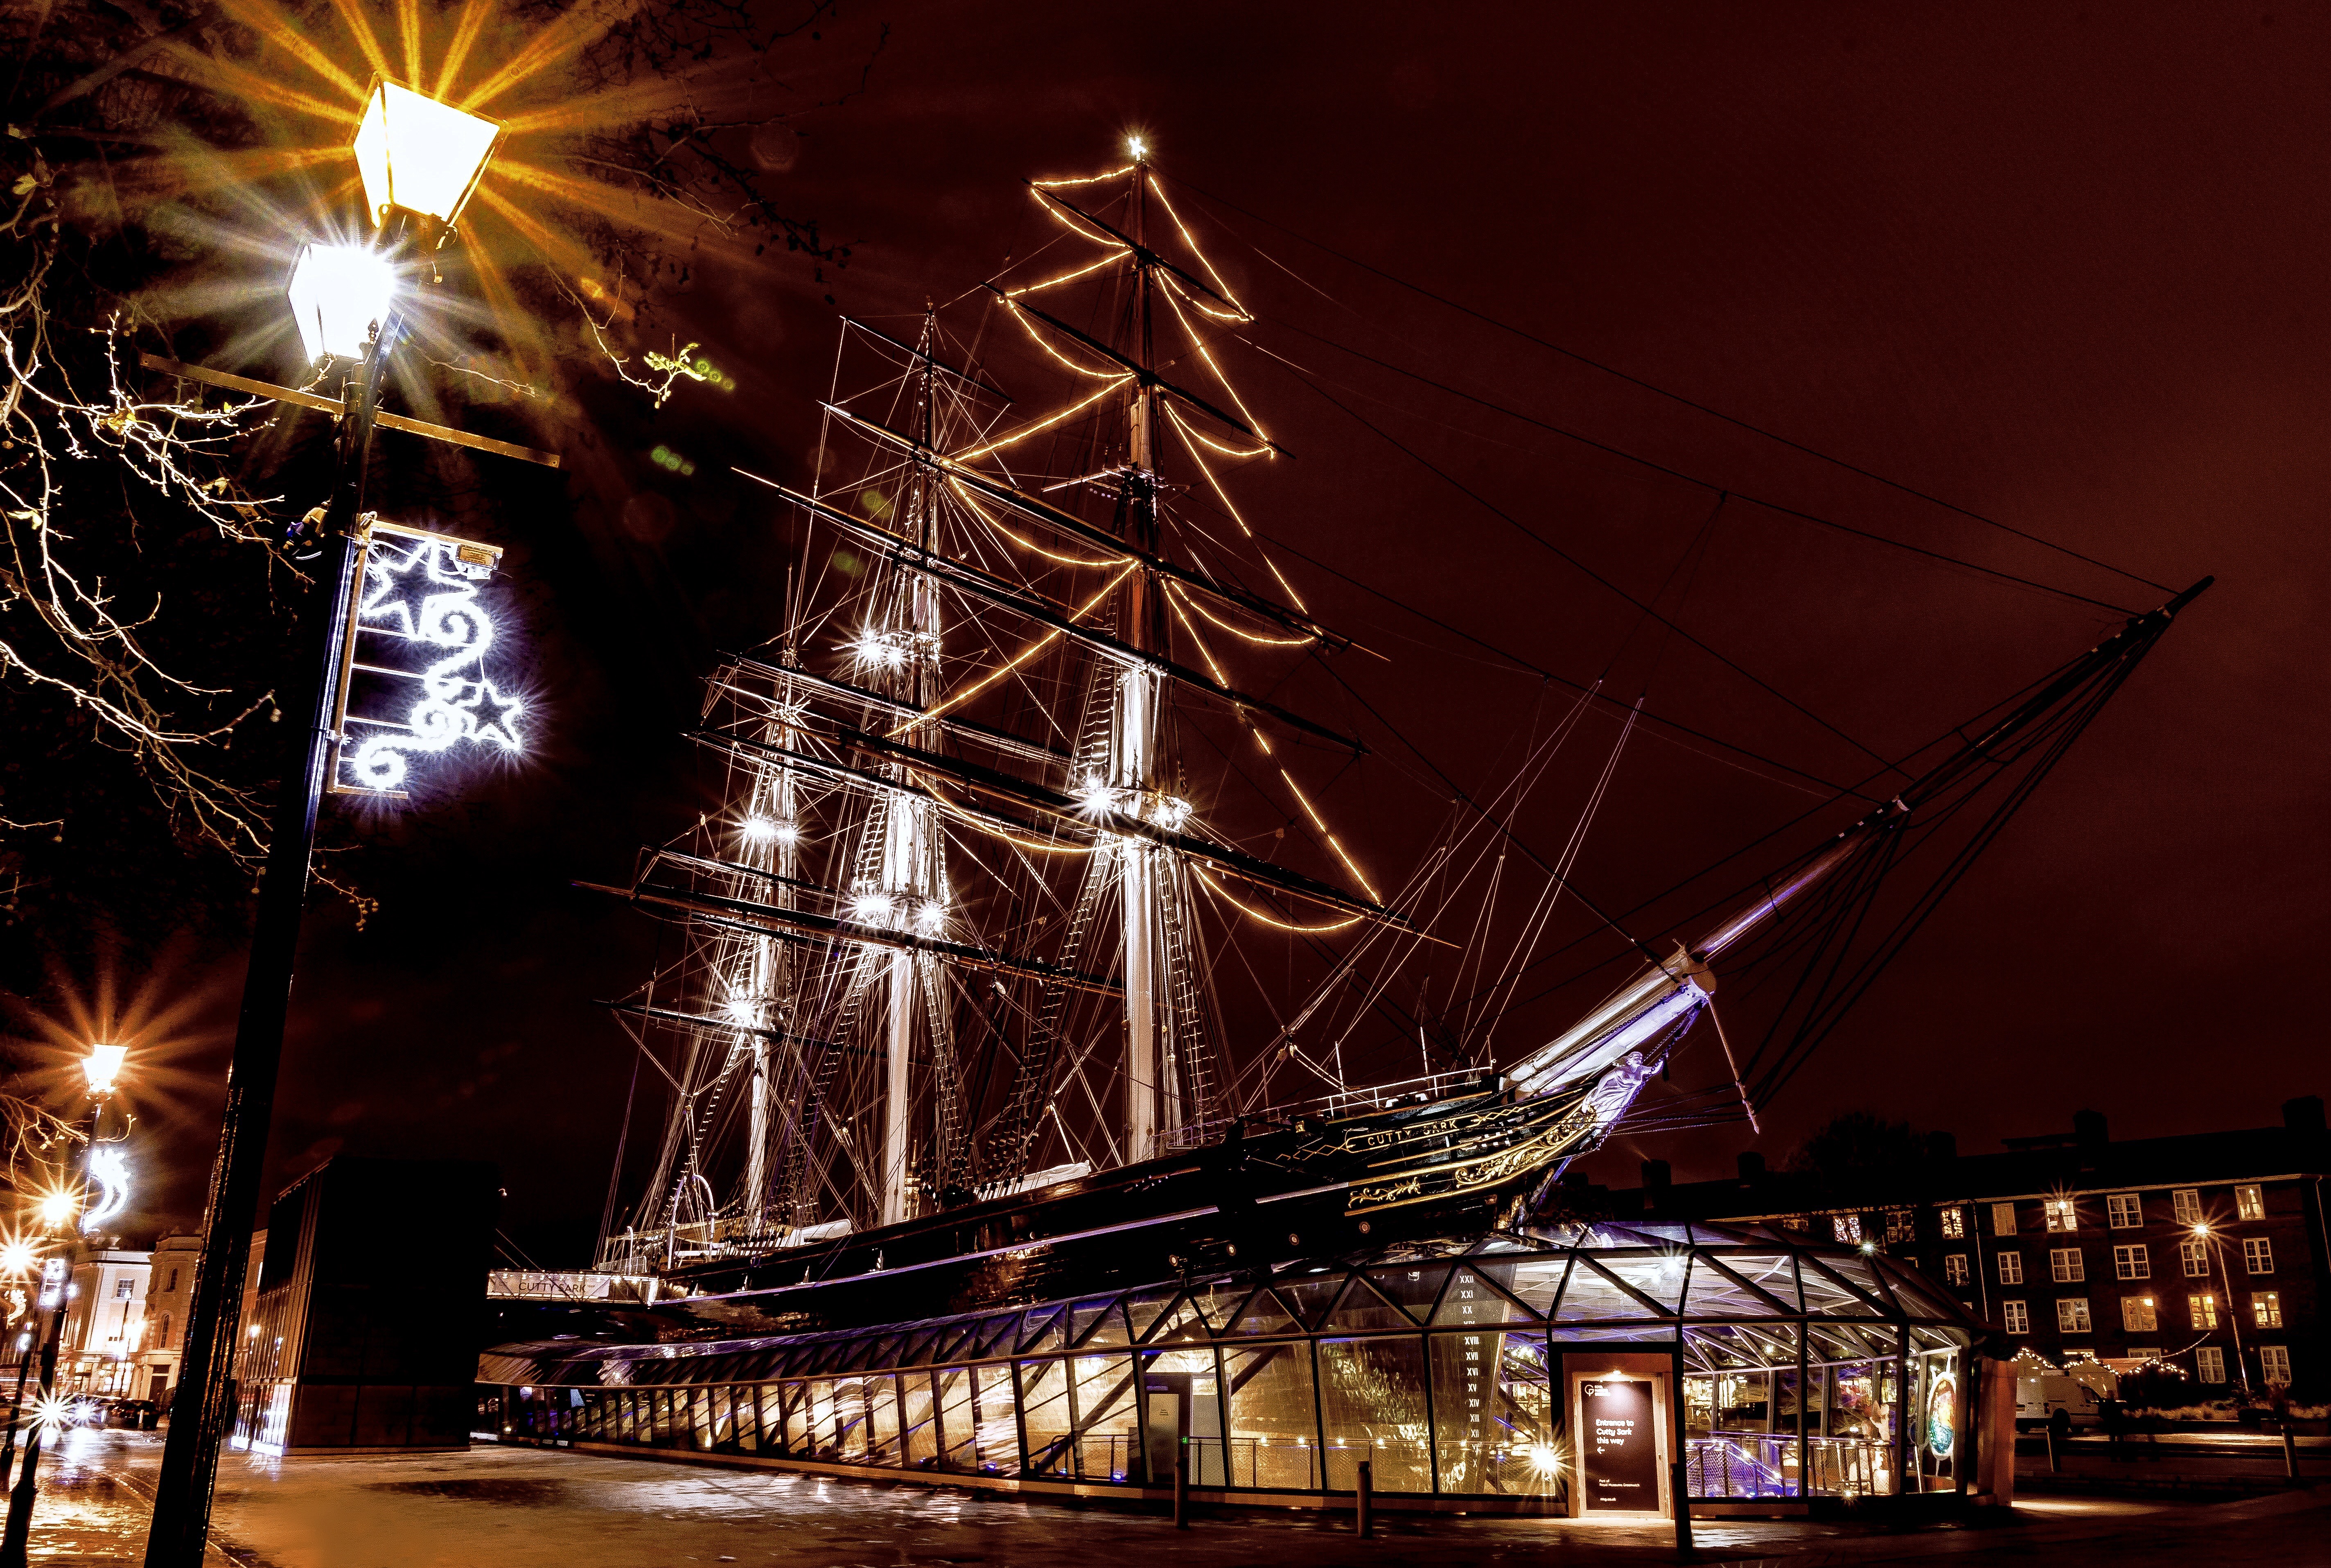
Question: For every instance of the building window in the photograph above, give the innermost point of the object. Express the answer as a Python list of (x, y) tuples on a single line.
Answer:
[(1954, 1223), (1846, 1227), (2136, 1315), (2132, 1262), (2266, 1306), (1898, 1225), (2010, 1268), (2250, 1203), (2059, 1215), (2018, 1320), (2002, 1219), (2258, 1255), (2145, 1353), (2066, 1266), (2196, 1258), (2274, 1364), (2204, 1307), (163, 1342), (1954, 1268), (2210, 1362), (174, 1282), (123, 1289), (2123, 1212), (1792, 1222), (2072, 1314), (2185, 1202)]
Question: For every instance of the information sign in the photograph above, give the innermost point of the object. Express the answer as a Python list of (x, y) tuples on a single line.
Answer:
[(1619, 1445)]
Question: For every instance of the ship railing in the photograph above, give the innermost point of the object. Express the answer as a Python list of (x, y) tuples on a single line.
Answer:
[(1378, 1097), (548, 1285)]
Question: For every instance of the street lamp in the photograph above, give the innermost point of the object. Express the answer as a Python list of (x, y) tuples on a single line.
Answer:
[(2233, 1318), (419, 161), (418, 154), (100, 1069)]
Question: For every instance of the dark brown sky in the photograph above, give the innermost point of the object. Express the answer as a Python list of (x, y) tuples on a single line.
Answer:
[(2064, 269)]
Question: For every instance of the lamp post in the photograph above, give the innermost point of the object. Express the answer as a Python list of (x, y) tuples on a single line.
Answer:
[(19, 1259), (2233, 1319), (419, 161), (100, 1068)]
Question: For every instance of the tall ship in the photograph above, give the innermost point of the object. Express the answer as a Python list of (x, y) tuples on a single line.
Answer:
[(940, 1028)]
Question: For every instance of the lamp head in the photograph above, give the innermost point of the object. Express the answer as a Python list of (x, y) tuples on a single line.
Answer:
[(102, 1065), (338, 293), (416, 153)]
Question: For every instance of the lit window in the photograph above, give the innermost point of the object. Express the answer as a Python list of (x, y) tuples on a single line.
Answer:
[(2204, 1308), (2209, 1364), (2015, 1316), (2185, 1202), (1954, 1222), (2136, 1315), (2258, 1255), (2002, 1219), (1792, 1222), (2072, 1314), (2250, 1203), (2123, 1212), (2059, 1215), (2195, 1256), (123, 1289), (1898, 1225), (2066, 1266), (2010, 1268), (2274, 1364), (2145, 1353), (1954, 1268), (2266, 1307), (1846, 1227), (2132, 1262)]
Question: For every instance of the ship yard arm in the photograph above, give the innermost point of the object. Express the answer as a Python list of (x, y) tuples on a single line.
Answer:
[(1622, 1041)]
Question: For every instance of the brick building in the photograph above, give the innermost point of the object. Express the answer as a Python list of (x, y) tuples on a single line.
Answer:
[(2208, 1249)]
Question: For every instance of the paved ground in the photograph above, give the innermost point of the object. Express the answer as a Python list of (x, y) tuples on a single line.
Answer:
[(529, 1509)]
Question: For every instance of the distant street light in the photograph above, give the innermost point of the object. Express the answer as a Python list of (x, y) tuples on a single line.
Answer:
[(419, 161), (2233, 1319), (100, 1069)]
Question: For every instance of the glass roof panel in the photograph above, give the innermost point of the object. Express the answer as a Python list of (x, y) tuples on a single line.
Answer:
[(1662, 1278), (1859, 1270), (1040, 1328), (1473, 1296), (1183, 1323), (1309, 1298), (994, 1336), (1774, 1272), (1713, 1294), (1217, 1301), (1144, 1305), (1092, 1323), (1589, 1298), (1362, 1308), (1826, 1296), (1414, 1287), (1263, 1314), (1536, 1280)]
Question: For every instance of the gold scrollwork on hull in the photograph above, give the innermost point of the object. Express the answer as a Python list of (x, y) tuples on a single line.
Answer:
[(1473, 1175)]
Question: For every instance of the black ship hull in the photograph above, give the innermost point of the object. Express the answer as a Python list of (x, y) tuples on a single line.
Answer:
[(1451, 1166)]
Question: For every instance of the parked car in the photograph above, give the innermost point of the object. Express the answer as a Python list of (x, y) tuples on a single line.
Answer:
[(134, 1414)]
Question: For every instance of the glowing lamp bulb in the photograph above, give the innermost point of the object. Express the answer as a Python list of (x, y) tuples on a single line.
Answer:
[(16, 1258), (102, 1065), (870, 908), (338, 294), (760, 831), (55, 1208), (418, 154), (930, 917), (1544, 1460), (1138, 148)]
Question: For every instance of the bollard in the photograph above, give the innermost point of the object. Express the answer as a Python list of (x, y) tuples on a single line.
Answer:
[(1365, 1501), (2055, 1459), (2289, 1452), (1181, 1490)]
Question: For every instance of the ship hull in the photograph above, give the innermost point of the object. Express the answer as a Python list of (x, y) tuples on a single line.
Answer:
[(1450, 1166)]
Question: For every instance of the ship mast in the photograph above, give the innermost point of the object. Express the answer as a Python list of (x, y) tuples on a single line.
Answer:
[(1148, 1107)]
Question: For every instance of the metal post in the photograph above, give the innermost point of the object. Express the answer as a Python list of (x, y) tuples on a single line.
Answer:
[(16, 1407), (202, 1407), (1679, 1469), (2055, 1459), (1182, 1489), (1364, 1501), (2289, 1450)]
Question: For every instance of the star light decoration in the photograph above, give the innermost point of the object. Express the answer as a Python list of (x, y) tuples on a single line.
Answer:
[(419, 680)]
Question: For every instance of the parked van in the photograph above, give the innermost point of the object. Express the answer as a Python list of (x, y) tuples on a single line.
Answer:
[(2078, 1389)]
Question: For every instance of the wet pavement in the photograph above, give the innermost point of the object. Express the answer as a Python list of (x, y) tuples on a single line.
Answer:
[(534, 1508)]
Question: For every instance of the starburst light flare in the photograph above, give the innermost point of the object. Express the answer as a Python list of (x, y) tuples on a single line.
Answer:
[(338, 294)]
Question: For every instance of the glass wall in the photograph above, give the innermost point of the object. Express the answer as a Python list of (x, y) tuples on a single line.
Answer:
[(1808, 1371)]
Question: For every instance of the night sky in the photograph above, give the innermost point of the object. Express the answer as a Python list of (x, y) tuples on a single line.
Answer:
[(2062, 268)]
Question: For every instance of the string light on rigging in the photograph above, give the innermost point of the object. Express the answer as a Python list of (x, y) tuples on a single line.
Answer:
[(760, 830)]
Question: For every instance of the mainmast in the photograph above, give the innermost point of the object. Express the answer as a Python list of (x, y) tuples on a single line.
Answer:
[(1149, 1107)]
